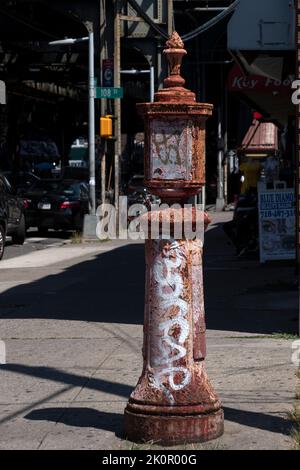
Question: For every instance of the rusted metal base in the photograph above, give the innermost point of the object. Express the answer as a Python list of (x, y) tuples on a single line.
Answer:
[(173, 430), (174, 401)]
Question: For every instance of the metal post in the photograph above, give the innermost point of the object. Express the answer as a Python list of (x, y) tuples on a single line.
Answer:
[(117, 83), (297, 148), (203, 197), (203, 98), (103, 174), (103, 102), (220, 160), (92, 181), (159, 63), (220, 203), (200, 93), (225, 166), (170, 17), (151, 83), (174, 402), (90, 220), (170, 12)]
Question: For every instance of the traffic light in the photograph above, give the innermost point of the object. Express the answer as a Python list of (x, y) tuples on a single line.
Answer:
[(106, 126)]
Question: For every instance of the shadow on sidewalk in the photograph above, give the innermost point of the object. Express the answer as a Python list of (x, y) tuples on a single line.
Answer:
[(81, 417), (113, 422), (65, 378), (258, 420), (88, 417), (110, 289), (243, 295)]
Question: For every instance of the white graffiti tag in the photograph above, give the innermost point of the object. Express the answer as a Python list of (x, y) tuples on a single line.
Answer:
[(169, 288)]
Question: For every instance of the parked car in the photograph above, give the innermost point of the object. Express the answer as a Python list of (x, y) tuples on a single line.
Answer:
[(21, 181), (12, 220), (41, 155), (31, 198), (57, 204)]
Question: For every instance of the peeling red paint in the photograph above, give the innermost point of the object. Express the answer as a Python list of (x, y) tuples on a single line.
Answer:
[(174, 401)]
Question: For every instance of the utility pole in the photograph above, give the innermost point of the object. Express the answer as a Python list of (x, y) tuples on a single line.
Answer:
[(90, 220), (161, 66), (225, 160), (117, 83), (170, 17), (103, 102), (92, 181), (220, 202), (297, 29)]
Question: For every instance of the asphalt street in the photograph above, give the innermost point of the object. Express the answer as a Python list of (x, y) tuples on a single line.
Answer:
[(35, 242)]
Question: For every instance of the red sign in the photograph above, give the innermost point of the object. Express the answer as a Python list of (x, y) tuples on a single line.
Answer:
[(239, 82)]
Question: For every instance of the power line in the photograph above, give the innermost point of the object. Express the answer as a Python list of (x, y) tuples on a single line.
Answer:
[(192, 34), (201, 29)]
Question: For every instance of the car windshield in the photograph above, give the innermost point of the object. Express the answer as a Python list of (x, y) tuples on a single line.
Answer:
[(20, 178), (46, 186), (68, 188)]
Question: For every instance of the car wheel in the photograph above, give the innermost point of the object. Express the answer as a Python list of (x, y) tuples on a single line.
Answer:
[(18, 237), (2, 241)]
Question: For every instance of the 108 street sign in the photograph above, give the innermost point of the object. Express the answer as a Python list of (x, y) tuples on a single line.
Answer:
[(110, 93)]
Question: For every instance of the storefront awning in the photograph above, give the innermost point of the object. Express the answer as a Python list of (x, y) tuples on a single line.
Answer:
[(260, 140)]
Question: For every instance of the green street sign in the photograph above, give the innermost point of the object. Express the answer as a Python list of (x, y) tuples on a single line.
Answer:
[(109, 93)]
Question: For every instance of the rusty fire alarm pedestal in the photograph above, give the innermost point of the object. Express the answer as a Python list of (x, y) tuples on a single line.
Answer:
[(174, 402)]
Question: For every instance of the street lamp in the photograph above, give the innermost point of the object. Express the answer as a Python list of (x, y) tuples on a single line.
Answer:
[(68, 41), (92, 181)]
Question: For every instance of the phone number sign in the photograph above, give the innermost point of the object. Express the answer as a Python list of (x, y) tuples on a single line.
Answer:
[(277, 224)]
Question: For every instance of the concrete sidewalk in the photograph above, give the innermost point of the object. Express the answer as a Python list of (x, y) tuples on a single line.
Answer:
[(72, 325)]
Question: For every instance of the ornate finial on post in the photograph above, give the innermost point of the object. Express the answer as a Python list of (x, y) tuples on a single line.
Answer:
[(174, 91), (174, 52), (173, 401)]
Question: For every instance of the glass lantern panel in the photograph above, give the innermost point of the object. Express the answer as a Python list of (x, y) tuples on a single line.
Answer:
[(171, 149)]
